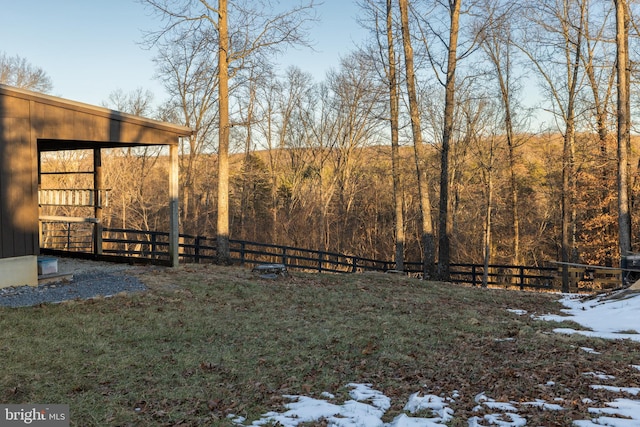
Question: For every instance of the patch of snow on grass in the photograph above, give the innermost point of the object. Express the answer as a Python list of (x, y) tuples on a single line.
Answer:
[(607, 318), (508, 417), (502, 420), (364, 410), (542, 404), (620, 408), (435, 404), (599, 375), (629, 390)]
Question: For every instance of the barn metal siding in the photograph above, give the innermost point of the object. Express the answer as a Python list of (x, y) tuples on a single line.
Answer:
[(30, 123), (18, 181)]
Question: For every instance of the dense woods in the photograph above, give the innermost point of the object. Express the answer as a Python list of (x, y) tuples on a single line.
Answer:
[(462, 131)]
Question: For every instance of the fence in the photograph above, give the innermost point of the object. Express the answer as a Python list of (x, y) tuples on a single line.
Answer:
[(153, 246), (518, 276), (71, 236)]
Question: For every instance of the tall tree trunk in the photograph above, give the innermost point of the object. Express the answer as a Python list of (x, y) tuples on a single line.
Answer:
[(247, 175), (223, 250), (493, 47), (428, 241), (567, 201), (395, 151), (444, 225), (488, 223), (624, 138), (568, 148), (517, 259), (508, 125), (600, 106)]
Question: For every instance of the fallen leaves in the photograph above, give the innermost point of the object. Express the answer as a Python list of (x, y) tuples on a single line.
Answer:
[(208, 342)]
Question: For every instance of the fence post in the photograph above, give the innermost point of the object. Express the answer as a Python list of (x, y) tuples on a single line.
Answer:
[(354, 264), (242, 254), (284, 256), (154, 246), (473, 275), (320, 256), (521, 268), (196, 250)]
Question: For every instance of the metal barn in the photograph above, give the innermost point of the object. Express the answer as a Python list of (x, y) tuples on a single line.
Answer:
[(32, 123)]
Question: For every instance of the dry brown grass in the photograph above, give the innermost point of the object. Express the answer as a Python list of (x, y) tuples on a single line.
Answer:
[(206, 341)]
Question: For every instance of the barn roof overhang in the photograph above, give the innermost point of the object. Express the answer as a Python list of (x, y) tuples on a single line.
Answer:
[(62, 124)]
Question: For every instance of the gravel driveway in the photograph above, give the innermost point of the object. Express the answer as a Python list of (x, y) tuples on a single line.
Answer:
[(90, 279)]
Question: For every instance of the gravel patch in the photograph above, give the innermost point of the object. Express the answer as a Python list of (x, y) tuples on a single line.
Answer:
[(90, 280)]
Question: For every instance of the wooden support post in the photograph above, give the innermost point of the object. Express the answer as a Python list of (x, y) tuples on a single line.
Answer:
[(40, 238), (174, 232), (98, 185)]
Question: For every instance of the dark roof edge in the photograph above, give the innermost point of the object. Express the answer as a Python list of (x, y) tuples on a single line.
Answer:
[(94, 109)]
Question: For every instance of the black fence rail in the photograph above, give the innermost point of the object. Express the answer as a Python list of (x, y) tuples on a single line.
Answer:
[(505, 276), (522, 277), (67, 236), (153, 246), (150, 245), (303, 259)]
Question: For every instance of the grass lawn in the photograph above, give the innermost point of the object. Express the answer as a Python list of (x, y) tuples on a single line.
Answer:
[(207, 341)]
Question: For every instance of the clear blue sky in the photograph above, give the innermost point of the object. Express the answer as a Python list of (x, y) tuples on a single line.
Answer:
[(90, 48)]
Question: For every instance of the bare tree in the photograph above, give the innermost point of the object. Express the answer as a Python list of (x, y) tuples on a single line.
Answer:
[(558, 32), (138, 102), (379, 19), (394, 102), (600, 71), (498, 47), (132, 166), (17, 71), (256, 30), (446, 46), (289, 105), (428, 241), (480, 131), (184, 66), (444, 225), (356, 92), (223, 249), (624, 124)]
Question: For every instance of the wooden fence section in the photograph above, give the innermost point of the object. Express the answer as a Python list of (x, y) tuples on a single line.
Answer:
[(153, 246), (71, 236), (504, 276), (516, 276)]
